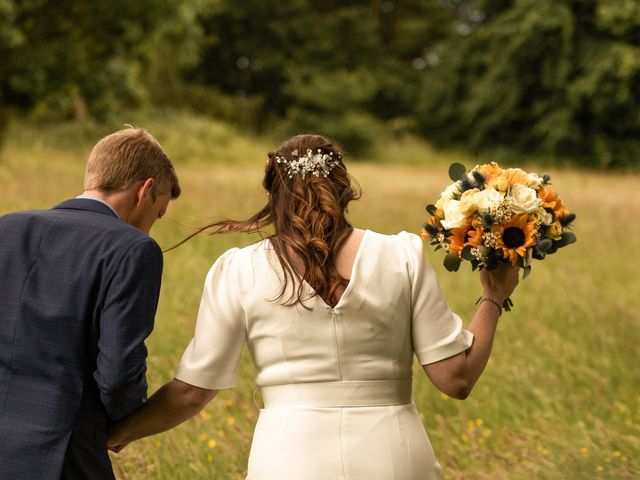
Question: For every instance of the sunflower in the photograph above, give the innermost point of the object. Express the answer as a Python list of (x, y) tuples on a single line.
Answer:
[(517, 235), (458, 239), (474, 237)]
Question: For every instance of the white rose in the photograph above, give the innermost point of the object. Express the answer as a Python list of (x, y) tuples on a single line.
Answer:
[(534, 180), (524, 199), (488, 198), (451, 191), (453, 217)]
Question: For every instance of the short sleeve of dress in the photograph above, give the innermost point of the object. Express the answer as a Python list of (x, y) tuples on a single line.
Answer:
[(212, 358), (436, 331)]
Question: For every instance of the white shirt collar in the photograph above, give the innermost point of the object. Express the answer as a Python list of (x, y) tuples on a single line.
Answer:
[(97, 199)]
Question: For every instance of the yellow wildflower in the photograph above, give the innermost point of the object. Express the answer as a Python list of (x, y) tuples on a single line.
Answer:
[(205, 415)]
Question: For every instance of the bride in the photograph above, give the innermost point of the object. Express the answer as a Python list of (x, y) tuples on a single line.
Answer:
[(332, 316)]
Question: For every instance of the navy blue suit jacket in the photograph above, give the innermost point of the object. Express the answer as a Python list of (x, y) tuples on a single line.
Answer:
[(78, 295)]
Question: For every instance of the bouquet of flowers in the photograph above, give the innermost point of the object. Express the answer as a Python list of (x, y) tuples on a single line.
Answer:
[(490, 215)]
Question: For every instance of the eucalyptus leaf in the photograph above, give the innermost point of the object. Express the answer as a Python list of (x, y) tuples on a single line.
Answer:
[(544, 244), (568, 238), (457, 171), (466, 253), (452, 262), (526, 272)]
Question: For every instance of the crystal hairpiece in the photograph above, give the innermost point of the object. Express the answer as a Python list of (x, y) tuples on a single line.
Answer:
[(314, 163)]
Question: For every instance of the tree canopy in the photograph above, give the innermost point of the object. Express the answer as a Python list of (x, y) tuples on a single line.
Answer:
[(558, 78)]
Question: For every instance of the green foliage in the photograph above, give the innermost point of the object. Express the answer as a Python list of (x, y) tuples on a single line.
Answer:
[(334, 104), (557, 78), (77, 58), (338, 68)]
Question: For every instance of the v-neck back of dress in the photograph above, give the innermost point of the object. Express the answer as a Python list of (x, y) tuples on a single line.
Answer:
[(351, 280)]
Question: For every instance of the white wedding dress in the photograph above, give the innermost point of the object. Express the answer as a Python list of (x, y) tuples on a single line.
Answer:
[(336, 382)]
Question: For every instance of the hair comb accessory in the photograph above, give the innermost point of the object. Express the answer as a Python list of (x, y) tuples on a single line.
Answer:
[(317, 163)]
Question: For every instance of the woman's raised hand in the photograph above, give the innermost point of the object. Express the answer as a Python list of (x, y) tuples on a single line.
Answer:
[(499, 283)]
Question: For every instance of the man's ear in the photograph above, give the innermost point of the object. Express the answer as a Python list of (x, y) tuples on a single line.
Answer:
[(144, 191)]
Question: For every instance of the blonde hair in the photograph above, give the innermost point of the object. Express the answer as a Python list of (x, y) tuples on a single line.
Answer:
[(127, 156)]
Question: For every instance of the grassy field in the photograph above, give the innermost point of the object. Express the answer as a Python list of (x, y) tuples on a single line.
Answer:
[(560, 398)]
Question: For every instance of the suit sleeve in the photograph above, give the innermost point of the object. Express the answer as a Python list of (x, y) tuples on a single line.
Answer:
[(126, 321)]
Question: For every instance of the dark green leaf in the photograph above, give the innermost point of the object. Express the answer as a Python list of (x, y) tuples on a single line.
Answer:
[(431, 209), (568, 238), (466, 253), (544, 245), (452, 262), (457, 171), (526, 272)]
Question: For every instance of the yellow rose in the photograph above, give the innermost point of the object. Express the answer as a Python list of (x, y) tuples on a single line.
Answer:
[(555, 230), (502, 183), (467, 202)]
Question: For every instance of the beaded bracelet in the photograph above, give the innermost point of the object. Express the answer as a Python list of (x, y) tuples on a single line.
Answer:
[(492, 300)]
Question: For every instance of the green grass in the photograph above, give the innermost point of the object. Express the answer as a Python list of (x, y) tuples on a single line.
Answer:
[(560, 398)]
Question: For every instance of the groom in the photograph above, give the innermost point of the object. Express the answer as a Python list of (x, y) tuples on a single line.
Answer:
[(79, 287)]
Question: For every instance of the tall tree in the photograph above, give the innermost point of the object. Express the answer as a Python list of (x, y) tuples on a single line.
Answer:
[(556, 77), (334, 67), (80, 58)]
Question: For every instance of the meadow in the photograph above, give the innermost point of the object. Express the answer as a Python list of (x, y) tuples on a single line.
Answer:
[(560, 398)]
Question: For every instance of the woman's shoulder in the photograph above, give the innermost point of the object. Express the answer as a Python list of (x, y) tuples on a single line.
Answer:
[(404, 240), (237, 255), (400, 248)]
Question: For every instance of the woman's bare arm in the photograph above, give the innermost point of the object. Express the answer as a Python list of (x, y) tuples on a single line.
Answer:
[(457, 375)]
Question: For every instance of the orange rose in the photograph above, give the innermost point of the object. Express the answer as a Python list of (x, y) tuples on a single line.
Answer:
[(550, 199), (490, 170), (515, 175)]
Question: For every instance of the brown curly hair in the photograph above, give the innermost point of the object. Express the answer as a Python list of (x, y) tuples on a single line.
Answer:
[(308, 215)]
